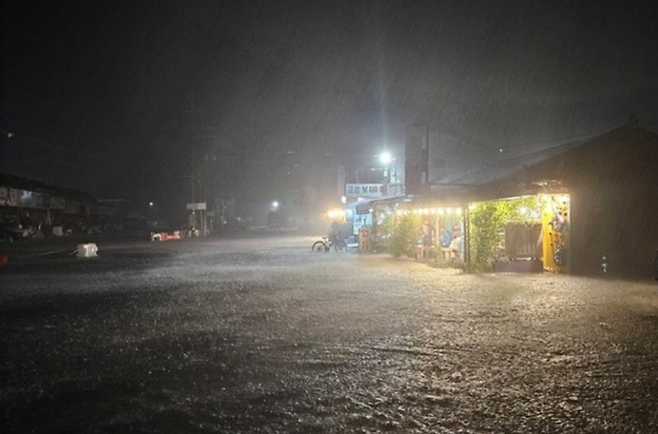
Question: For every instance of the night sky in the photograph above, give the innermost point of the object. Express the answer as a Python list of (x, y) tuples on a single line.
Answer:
[(119, 98)]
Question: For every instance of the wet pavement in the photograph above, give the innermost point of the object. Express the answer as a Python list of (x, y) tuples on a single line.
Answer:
[(263, 336)]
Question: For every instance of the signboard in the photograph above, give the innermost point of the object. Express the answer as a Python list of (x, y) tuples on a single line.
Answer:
[(198, 206), (364, 190), (40, 200), (12, 198), (23, 198), (57, 202), (363, 209)]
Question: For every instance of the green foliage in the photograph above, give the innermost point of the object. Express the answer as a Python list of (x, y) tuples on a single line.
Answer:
[(448, 263), (403, 232), (487, 223)]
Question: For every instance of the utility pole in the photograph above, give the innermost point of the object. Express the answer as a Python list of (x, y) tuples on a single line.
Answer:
[(196, 178), (190, 137)]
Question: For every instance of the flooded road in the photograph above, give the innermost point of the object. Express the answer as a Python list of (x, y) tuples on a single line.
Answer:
[(261, 335)]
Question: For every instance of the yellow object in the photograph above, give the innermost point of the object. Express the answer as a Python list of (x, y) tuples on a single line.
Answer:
[(555, 222)]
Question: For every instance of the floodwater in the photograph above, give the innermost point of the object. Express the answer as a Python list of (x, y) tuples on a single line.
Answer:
[(264, 336)]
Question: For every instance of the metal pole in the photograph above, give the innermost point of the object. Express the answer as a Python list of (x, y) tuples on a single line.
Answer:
[(467, 234)]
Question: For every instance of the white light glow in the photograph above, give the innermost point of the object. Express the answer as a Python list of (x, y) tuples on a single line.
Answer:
[(385, 158), (336, 214)]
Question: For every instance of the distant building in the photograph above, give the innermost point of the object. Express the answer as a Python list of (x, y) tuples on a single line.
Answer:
[(435, 158), (38, 207), (450, 157)]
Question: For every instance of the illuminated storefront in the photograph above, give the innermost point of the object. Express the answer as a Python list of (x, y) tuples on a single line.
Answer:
[(534, 236)]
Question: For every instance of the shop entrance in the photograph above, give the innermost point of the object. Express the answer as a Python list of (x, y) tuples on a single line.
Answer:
[(528, 233)]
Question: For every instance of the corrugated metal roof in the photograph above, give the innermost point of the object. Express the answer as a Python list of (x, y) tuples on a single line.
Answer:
[(506, 168), (11, 181), (601, 150)]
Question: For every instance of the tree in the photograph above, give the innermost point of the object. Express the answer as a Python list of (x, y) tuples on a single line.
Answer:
[(402, 232), (487, 223)]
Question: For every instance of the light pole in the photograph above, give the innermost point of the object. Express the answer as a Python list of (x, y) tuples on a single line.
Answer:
[(151, 214), (273, 217), (386, 159)]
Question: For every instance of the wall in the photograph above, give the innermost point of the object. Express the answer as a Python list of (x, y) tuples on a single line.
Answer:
[(613, 182)]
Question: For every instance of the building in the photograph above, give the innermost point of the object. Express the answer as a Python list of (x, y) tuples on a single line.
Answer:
[(598, 200), (41, 209)]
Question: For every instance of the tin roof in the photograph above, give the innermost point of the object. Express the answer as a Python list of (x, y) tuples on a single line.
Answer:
[(11, 181)]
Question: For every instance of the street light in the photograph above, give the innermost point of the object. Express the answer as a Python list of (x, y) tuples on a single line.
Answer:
[(387, 160), (151, 214)]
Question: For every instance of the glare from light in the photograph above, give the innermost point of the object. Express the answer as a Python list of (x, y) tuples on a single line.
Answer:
[(335, 214), (385, 158)]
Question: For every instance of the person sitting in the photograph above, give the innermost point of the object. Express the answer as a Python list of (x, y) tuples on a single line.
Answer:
[(456, 245), (428, 232), (445, 237)]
